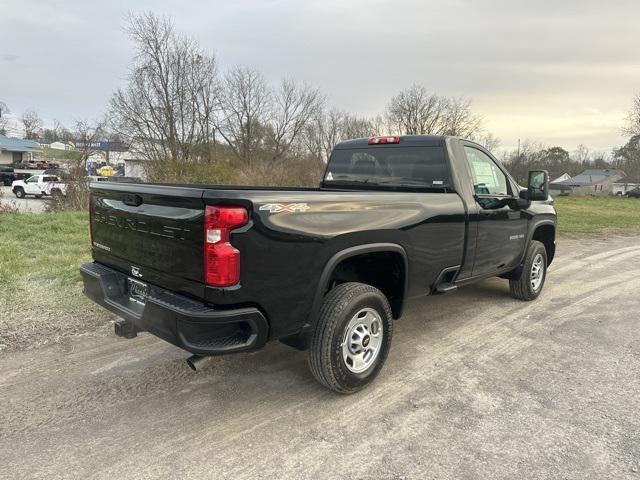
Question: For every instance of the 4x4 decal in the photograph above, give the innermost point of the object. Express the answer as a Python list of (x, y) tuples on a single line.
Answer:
[(285, 207)]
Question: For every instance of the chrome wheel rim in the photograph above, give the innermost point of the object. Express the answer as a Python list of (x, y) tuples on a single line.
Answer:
[(537, 272), (362, 340)]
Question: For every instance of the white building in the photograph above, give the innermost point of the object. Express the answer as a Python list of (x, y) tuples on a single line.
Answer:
[(60, 146), (624, 185)]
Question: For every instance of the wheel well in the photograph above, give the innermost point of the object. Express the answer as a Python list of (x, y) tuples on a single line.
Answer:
[(546, 234), (383, 270)]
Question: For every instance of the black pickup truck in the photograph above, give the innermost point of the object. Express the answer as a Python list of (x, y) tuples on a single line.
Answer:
[(219, 269)]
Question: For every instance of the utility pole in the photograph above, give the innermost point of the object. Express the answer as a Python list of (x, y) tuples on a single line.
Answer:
[(518, 149)]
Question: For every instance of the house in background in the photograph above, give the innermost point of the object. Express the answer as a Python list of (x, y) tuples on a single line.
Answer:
[(590, 182), (556, 177), (16, 150), (624, 185)]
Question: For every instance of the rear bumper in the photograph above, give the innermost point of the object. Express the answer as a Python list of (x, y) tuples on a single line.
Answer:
[(186, 323)]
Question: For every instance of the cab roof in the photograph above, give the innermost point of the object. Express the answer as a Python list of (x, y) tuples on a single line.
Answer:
[(406, 140)]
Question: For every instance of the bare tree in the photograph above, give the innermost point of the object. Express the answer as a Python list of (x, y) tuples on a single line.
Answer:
[(582, 155), (458, 120), (87, 134), (357, 127), (417, 111), (167, 110), (632, 126), (488, 140), (245, 104), (32, 124), (414, 111), (322, 133), (293, 108), (4, 110), (327, 128)]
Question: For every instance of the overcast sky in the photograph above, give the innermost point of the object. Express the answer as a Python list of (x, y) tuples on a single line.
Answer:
[(559, 72)]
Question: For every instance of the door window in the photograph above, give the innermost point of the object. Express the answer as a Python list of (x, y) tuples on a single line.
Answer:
[(32, 180), (488, 179)]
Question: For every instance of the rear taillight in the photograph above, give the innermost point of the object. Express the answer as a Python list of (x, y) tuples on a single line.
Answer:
[(91, 218), (221, 259), (383, 140)]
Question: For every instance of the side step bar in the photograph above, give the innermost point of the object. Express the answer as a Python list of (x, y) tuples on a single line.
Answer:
[(445, 287), (445, 281)]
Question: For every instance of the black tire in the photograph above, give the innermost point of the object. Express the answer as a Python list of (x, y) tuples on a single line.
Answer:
[(340, 307), (38, 196), (522, 288), (19, 192), (6, 182)]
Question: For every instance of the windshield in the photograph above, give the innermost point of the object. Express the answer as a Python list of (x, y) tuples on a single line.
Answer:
[(393, 167)]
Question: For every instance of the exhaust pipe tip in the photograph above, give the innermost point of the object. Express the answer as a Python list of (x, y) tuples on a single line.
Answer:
[(196, 362)]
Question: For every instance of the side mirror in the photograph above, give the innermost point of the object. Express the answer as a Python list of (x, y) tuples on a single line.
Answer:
[(520, 203), (538, 186)]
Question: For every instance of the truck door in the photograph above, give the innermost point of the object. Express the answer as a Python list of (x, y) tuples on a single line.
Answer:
[(31, 186), (501, 230)]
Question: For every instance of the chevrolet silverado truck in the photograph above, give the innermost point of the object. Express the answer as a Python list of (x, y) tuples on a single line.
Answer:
[(39, 185), (220, 269)]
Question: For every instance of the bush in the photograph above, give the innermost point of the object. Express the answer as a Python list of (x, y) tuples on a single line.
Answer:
[(7, 206), (299, 170), (198, 172), (76, 199), (302, 171)]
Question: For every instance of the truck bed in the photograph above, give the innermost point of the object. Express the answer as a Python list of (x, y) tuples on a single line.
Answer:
[(162, 237)]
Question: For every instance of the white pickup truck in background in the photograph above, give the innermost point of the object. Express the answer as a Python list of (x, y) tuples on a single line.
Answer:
[(39, 185)]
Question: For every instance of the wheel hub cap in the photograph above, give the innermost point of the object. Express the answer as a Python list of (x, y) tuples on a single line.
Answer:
[(362, 340), (537, 272)]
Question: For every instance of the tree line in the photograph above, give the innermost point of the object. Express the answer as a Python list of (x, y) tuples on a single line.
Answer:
[(177, 109), (192, 122)]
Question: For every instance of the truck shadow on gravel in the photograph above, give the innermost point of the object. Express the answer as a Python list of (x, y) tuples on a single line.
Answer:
[(277, 366), (90, 378)]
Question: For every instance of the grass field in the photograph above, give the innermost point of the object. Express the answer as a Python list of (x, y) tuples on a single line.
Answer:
[(579, 215), (40, 286)]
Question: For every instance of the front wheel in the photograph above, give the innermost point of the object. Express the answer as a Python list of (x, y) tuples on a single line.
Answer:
[(19, 192), (352, 337), (534, 273)]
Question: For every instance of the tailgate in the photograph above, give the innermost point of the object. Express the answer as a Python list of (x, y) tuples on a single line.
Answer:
[(152, 232)]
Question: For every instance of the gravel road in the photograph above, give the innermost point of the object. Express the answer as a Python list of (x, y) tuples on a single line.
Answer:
[(477, 385)]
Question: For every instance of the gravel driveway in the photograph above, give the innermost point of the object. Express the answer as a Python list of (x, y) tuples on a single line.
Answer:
[(477, 385), (28, 204)]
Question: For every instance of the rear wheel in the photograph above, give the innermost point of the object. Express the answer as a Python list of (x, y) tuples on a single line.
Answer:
[(352, 337), (19, 192), (534, 272), (7, 182)]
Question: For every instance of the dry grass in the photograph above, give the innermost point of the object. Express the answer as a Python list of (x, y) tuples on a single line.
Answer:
[(41, 296)]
